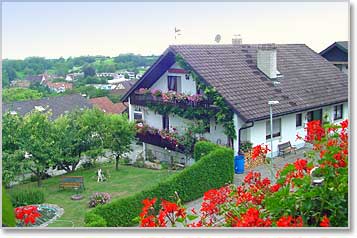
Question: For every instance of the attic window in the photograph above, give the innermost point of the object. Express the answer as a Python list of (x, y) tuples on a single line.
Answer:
[(39, 108)]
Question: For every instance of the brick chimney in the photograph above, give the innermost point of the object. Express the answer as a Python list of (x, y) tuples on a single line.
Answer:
[(266, 60)]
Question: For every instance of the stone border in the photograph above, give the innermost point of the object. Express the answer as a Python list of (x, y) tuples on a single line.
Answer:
[(59, 213)]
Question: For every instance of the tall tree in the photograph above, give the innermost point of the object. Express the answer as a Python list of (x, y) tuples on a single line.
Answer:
[(119, 133), (88, 70)]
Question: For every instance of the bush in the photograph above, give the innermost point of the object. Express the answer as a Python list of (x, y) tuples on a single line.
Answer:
[(213, 170), (99, 198), (27, 197), (93, 220), (203, 148), (8, 216)]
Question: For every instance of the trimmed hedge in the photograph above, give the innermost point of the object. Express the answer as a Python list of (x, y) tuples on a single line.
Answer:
[(203, 148), (213, 170), (94, 220), (8, 214)]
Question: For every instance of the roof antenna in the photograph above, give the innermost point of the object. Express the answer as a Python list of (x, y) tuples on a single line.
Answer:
[(177, 33), (218, 38)]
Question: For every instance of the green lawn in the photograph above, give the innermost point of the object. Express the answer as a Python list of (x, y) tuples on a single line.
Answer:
[(127, 181)]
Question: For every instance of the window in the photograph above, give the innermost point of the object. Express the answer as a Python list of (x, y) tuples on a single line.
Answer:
[(298, 120), (276, 128), (309, 116), (172, 83), (337, 112), (165, 122), (138, 114)]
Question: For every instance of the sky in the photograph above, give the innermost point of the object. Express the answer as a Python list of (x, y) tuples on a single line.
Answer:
[(67, 29)]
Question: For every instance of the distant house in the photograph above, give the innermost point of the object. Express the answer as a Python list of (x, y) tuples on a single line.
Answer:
[(337, 53), (122, 87), (57, 105), (20, 83), (107, 106), (33, 79), (59, 87), (73, 76), (102, 86), (69, 77)]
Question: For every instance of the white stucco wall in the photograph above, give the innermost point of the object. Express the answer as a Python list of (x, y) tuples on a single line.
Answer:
[(187, 86), (257, 134)]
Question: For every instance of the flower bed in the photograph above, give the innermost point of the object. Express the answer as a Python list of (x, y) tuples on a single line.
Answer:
[(143, 96), (162, 138)]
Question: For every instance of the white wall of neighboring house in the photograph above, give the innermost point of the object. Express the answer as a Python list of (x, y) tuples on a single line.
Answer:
[(257, 134)]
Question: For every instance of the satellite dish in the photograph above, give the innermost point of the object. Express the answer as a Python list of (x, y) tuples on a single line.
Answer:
[(217, 38)]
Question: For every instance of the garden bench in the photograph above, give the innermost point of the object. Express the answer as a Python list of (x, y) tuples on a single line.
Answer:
[(285, 148), (76, 182)]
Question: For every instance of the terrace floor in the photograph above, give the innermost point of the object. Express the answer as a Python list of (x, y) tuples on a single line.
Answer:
[(278, 162)]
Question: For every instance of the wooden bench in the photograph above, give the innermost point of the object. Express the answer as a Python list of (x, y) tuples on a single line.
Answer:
[(72, 182), (285, 148)]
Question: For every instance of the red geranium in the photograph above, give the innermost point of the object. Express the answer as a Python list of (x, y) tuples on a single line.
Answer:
[(27, 214)]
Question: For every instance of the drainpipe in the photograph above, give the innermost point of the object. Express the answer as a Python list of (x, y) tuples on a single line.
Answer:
[(239, 135)]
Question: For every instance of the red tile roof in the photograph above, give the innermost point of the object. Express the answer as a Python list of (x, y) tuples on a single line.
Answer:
[(59, 85), (108, 106)]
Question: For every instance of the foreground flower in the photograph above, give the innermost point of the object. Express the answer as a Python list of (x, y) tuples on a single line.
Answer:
[(325, 222)]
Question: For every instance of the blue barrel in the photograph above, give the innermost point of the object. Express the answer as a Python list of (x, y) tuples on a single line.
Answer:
[(239, 164)]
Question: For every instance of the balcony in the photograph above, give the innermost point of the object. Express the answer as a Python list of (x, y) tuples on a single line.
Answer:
[(164, 139), (171, 98)]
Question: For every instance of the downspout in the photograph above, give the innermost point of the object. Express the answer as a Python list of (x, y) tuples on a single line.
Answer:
[(239, 135)]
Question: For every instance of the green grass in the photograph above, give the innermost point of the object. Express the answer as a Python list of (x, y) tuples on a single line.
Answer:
[(127, 181)]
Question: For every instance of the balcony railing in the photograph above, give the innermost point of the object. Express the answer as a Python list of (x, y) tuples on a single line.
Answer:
[(158, 140), (144, 99)]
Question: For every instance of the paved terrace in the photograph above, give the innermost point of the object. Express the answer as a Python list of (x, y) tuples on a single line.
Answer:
[(278, 162)]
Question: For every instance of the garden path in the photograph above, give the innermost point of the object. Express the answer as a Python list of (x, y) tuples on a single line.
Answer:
[(278, 162)]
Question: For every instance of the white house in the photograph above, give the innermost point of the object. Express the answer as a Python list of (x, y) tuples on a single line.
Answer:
[(306, 86)]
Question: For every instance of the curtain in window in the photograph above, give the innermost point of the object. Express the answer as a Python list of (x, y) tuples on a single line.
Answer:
[(172, 83), (276, 128)]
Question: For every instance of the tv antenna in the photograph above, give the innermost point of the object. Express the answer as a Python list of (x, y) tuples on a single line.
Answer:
[(177, 32), (217, 38)]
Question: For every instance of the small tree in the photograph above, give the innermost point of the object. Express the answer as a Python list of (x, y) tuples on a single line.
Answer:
[(11, 153), (79, 132), (37, 140), (120, 132)]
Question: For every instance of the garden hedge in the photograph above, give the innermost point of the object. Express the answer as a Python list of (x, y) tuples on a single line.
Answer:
[(8, 215), (203, 148), (213, 170)]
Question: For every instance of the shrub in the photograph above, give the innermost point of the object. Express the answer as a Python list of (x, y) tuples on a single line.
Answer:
[(99, 198), (203, 148), (213, 170), (27, 197), (8, 216), (93, 220)]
